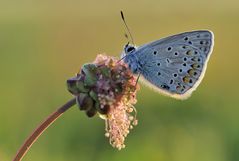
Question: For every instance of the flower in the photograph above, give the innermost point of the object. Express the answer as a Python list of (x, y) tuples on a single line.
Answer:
[(107, 87)]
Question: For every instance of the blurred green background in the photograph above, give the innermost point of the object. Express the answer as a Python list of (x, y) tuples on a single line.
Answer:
[(43, 43)]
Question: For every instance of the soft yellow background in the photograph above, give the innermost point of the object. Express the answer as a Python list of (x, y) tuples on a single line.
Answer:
[(43, 43)]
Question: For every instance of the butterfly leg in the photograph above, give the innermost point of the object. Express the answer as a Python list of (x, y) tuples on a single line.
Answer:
[(137, 79)]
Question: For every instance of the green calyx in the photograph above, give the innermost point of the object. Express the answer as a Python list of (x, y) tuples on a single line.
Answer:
[(90, 74)]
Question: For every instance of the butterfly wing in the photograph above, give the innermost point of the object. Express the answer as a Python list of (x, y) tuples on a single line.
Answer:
[(175, 65)]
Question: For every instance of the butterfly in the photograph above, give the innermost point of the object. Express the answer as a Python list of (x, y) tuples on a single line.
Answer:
[(173, 66)]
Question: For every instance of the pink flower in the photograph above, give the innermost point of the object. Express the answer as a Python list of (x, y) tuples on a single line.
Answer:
[(108, 87)]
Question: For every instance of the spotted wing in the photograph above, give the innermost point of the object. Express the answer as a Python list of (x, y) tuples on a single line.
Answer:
[(175, 65)]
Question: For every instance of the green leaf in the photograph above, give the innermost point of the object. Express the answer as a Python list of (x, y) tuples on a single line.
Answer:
[(90, 74), (93, 95), (71, 86), (81, 87)]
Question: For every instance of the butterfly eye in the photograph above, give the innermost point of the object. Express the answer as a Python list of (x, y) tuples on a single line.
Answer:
[(130, 49)]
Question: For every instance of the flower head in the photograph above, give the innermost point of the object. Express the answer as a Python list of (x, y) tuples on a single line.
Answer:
[(107, 87)]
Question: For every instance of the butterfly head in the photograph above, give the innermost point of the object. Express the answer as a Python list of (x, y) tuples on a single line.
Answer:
[(128, 48), (129, 58)]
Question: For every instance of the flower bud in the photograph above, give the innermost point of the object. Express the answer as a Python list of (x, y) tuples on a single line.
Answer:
[(84, 101), (89, 71), (91, 112)]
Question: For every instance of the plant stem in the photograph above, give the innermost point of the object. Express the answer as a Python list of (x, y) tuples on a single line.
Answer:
[(41, 128)]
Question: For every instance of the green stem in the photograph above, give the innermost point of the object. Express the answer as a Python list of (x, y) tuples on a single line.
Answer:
[(41, 128)]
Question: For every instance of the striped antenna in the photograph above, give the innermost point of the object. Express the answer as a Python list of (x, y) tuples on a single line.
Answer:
[(131, 37)]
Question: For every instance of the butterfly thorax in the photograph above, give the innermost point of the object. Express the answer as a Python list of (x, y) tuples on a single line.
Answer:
[(130, 58)]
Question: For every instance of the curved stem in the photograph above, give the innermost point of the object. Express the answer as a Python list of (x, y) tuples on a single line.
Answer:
[(41, 128)]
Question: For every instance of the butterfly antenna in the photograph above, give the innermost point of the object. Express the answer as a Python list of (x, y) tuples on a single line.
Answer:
[(131, 37), (126, 36)]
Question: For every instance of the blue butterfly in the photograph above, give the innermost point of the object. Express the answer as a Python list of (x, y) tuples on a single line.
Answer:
[(174, 65)]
